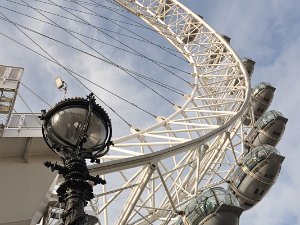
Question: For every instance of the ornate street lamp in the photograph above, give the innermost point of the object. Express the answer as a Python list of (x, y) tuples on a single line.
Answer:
[(76, 129)]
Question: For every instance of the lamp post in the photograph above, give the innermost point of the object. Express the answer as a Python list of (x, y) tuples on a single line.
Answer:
[(76, 129)]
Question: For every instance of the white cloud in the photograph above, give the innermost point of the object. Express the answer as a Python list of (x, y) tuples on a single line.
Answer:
[(267, 31)]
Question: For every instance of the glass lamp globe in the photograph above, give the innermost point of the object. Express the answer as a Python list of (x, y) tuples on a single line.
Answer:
[(72, 119)]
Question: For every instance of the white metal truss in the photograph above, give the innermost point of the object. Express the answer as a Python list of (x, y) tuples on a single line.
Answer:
[(152, 173), (9, 84)]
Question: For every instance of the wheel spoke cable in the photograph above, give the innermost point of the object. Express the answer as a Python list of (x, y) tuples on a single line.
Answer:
[(175, 90), (142, 39), (35, 94), (39, 46), (141, 82)]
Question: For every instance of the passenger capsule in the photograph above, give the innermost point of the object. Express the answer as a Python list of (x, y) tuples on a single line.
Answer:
[(226, 38), (249, 65), (262, 96), (268, 129), (253, 179), (217, 52), (215, 206), (200, 16), (163, 9)]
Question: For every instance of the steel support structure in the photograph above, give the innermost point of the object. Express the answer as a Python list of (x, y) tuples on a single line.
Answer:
[(212, 110)]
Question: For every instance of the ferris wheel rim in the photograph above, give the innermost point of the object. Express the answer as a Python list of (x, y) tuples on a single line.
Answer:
[(156, 157), (242, 109)]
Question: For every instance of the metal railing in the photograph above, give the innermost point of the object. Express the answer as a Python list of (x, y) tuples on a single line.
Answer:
[(24, 120)]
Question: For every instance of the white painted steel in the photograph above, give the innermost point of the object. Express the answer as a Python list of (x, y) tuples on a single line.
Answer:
[(210, 117), (9, 85)]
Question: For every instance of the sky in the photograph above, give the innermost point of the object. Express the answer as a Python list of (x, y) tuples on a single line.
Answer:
[(267, 31)]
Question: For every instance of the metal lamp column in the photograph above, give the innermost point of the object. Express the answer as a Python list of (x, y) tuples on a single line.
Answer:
[(76, 191)]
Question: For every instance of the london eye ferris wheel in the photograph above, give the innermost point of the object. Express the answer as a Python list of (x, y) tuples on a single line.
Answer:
[(201, 143)]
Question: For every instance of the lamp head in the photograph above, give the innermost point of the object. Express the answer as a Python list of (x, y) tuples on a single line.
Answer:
[(77, 126)]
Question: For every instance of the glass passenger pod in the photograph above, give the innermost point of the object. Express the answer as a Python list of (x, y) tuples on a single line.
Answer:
[(268, 129), (259, 171), (215, 206), (217, 52), (249, 66), (262, 96), (163, 9)]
